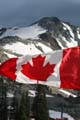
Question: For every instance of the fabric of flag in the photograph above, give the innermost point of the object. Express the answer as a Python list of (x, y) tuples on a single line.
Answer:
[(60, 69)]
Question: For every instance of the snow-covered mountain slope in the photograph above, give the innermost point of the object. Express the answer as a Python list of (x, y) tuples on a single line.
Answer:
[(23, 49), (46, 35), (31, 32)]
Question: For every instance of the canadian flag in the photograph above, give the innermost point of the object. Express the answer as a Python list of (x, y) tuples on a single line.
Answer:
[(60, 69)]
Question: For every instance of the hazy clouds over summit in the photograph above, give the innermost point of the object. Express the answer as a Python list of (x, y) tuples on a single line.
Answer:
[(21, 12)]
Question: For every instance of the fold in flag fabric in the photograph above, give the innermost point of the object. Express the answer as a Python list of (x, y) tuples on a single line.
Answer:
[(60, 69)]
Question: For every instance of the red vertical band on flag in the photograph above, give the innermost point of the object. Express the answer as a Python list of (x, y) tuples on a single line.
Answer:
[(8, 68), (70, 68)]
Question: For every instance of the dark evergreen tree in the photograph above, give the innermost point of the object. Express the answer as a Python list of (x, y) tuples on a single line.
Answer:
[(14, 114), (39, 107), (3, 99), (24, 107), (27, 106)]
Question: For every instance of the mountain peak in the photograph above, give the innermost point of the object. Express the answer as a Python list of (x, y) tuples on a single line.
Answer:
[(48, 22), (49, 19)]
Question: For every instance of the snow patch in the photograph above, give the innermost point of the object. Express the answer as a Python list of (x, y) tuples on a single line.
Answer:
[(10, 95), (78, 32), (45, 48), (67, 93), (31, 32), (59, 43), (64, 28), (29, 49), (22, 49), (69, 44), (10, 55), (32, 93), (69, 28), (56, 114)]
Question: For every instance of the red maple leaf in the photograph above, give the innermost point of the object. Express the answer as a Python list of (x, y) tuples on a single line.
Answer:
[(38, 71)]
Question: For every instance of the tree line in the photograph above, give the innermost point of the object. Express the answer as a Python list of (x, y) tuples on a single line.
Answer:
[(19, 108)]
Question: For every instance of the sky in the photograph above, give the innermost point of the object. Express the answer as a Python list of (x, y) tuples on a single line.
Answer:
[(26, 12)]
